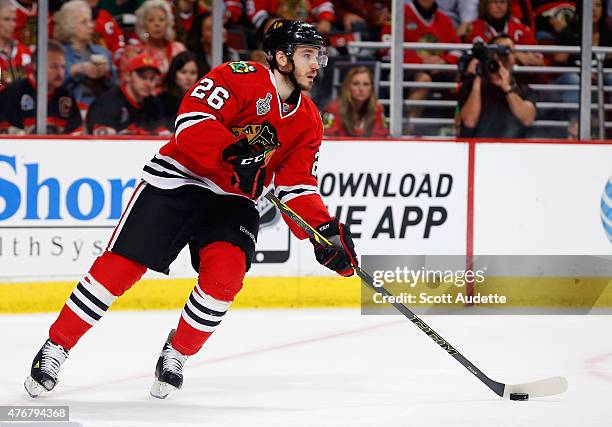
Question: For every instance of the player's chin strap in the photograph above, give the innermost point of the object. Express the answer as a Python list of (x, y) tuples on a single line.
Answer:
[(289, 74)]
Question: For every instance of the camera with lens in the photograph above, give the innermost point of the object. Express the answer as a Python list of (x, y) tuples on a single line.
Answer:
[(488, 57)]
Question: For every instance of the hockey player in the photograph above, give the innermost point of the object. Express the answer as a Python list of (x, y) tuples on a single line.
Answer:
[(237, 127)]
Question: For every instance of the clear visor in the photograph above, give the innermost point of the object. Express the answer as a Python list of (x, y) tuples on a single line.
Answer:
[(321, 57)]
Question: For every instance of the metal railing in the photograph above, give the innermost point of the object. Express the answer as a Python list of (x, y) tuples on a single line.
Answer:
[(591, 61), (597, 69)]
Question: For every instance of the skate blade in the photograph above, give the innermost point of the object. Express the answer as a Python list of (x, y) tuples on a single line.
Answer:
[(33, 388), (161, 390)]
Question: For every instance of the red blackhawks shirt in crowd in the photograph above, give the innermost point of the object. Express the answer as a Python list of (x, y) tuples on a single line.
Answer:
[(15, 63), (25, 30), (333, 124), (232, 102), (107, 32), (259, 11), (481, 30), (437, 29)]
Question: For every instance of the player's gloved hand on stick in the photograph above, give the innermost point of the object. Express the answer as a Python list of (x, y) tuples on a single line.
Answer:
[(342, 257), (248, 159)]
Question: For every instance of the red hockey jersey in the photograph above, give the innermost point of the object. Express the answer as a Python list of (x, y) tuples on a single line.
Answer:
[(438, 29), (523, 11), (231, 102), (108, 33), (481, 30), (258, 11), (17, 64), (333, 124), (25, 30)]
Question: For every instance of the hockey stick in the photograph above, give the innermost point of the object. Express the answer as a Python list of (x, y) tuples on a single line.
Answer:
[(545, 387)]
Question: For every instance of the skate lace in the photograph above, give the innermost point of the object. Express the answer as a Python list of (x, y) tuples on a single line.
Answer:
[(173, 361), (52, 358)]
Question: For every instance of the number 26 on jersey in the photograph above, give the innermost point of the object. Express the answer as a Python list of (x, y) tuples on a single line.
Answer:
[(215, 95)]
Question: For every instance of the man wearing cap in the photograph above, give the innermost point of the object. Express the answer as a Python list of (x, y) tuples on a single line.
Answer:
[(239, 128), (129, 109)]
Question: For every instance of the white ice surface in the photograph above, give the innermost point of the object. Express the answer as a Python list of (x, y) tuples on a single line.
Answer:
[(323, 368)]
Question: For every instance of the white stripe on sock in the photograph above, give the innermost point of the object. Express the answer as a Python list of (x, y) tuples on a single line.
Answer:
[(98, 289), (195, 324), (90, 305), (77, 310), (208, 301)]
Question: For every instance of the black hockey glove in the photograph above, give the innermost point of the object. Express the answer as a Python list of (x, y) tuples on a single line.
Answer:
[(248, 159), (249, 164), (342, 257)]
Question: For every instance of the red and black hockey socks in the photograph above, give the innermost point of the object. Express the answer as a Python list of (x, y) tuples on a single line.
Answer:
[(222, 269), (109, 277)]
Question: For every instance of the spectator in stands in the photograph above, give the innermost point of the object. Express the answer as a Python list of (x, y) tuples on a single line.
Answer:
[(462, 13), (25, 31), (551, 17), (15, 58), (523, 11), (356, 112), (495, 105), (494, 19), (425, 23), (89, 67), (571, 36), (364, 16), (321, 12), (185, 12), (130, 109), (200, 43), (155, 31), (18, 101), (182, 74), (107, 32)]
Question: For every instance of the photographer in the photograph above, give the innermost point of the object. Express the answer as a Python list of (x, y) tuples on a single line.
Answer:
[(491, 102)]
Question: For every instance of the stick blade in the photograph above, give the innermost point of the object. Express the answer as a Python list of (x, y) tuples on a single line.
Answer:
[(546, 387)]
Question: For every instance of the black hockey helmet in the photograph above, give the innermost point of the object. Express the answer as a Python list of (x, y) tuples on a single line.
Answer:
[(284, 35)]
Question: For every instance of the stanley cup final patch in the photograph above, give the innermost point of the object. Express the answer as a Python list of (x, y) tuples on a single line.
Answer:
[(263, 105)]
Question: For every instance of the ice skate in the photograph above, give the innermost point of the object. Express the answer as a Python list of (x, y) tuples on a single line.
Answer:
[(45, 368), (168, 371)]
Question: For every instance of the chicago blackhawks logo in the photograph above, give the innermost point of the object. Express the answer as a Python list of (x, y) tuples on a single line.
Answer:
[(263, 136), (241, 67), (328, 120)]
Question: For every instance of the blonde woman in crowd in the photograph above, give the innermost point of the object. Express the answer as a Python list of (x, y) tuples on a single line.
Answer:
[(356, 112), (156, 36)]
